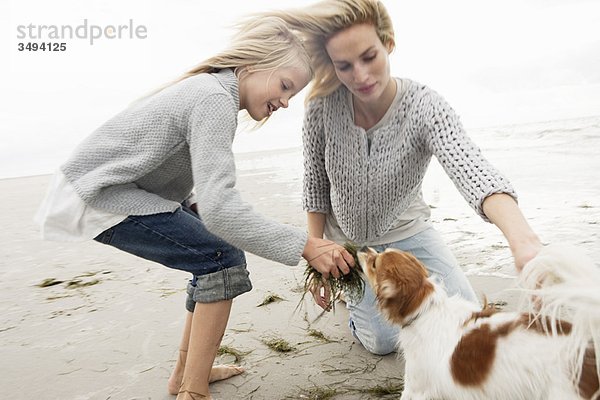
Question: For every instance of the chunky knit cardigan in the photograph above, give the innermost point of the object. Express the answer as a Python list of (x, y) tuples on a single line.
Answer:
[(368, 189), (147, 159)]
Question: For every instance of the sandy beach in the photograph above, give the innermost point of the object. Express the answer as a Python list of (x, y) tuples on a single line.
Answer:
[(86, 321)]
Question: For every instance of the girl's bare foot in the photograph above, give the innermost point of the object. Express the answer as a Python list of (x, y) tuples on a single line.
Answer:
[(217, 373), (174, 381), (185, 395), (220, 372)]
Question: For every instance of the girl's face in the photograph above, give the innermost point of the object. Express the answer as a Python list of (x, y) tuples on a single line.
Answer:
[(264, 92), (361, 62)]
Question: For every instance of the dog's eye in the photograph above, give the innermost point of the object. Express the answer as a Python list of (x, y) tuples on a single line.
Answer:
[(372, 263)]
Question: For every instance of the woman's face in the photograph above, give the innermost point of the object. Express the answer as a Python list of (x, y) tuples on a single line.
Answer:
[(264, 92), (361, 62)]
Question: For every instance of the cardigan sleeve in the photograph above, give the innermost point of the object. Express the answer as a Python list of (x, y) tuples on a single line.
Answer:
[(462, 160), (211, 130), (316, 182)]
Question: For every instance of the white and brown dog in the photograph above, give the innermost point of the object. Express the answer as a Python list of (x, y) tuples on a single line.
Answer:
[(454, 350)]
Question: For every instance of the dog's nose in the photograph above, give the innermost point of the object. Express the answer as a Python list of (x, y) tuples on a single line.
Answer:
[(364, 249)]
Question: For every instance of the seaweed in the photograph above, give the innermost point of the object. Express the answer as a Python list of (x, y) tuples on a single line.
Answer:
[(384, 390), (351, 285), (78, 283), (239, 355), (49, 282), (279, 345), (270, 298), (326, 393), (319, 335), (318, 393)]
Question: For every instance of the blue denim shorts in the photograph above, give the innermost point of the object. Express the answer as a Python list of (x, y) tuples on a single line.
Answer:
[(180, 240)]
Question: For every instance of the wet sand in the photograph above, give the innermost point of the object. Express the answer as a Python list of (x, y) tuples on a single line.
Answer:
[(106, 325)]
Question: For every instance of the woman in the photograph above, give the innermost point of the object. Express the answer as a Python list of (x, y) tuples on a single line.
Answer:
[(126, 185), (368, 140)]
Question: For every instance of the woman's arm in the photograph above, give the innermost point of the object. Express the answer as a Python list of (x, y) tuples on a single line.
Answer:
[(316, 224), (484, 187), (473, 175), (502, 210), (315, 192)]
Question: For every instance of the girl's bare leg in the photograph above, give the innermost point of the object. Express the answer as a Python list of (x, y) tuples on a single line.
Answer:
[(177, 374), (206, 328)]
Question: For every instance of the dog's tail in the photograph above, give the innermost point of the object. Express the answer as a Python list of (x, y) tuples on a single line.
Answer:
[(564, 286)]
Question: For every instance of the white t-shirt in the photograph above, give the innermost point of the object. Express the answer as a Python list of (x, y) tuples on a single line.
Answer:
[(63, 215)]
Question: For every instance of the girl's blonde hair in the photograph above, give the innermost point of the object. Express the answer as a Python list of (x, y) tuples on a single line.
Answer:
[(321, 20), (264, 44)]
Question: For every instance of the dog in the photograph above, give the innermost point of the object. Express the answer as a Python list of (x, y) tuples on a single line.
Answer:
[(454, 350)]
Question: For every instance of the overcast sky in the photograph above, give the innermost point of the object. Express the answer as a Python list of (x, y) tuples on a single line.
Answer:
[(496, 62)]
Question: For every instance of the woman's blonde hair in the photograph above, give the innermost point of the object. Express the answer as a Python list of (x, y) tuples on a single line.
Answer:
[(321, 20), (264, 43)]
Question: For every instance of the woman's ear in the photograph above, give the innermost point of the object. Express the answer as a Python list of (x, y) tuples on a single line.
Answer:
[(390, 45)]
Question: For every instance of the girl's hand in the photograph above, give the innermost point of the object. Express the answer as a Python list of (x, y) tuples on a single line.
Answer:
[(327, 257)]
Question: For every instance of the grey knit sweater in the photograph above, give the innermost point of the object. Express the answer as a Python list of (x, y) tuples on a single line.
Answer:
[(148, 158), (368, 189)]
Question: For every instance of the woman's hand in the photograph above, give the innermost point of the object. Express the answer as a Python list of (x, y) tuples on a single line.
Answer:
[(504, 212), (321, 292), (327, 257), (525, 250)]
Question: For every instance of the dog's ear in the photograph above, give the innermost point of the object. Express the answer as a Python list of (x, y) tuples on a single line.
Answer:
[(403, 285), (387, 289)]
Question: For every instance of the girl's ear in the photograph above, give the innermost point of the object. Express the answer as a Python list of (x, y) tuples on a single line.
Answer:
[(241, 72)]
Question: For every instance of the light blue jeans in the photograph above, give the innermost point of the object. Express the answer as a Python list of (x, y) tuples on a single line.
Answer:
[(366, 322)]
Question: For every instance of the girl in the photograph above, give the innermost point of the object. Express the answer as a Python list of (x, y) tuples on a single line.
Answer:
[(368, 140), (127, 184)]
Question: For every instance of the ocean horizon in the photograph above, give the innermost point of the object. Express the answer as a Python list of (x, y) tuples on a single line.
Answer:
[(246, 147)]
